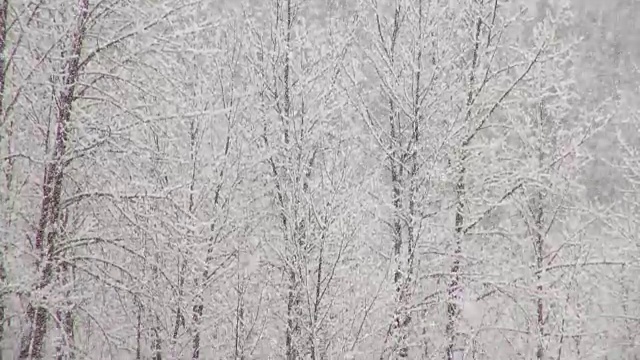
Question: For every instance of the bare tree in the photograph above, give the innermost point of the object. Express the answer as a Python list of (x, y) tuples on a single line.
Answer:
[(51, 224), (318, 179), (297, 69)]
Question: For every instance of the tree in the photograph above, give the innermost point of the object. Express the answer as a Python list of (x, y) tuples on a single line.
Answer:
[(296, 71), (317, 179), (51, 224)]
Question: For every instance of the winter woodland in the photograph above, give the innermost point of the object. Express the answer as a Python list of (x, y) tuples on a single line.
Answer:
[(319, 179)]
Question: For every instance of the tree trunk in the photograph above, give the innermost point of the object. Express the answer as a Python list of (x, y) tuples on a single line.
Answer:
[(139, 331), (292, 332), (197, 318), (293, 326), (32, 342), (179, 321), (239, 325), (8, 168), (156, 344), (454, 289), (539, 254), (453, 310), (65, 319)]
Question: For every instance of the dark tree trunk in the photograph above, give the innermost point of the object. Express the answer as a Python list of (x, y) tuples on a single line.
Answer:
[(293, 327), (539, 253), (8, 168), (292, 332), (139, 332), (454, 288), (32, 342), (156, 344), (453, 310), (197, 318)]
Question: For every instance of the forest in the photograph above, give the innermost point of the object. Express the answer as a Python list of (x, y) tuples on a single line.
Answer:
[(320, 179)]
